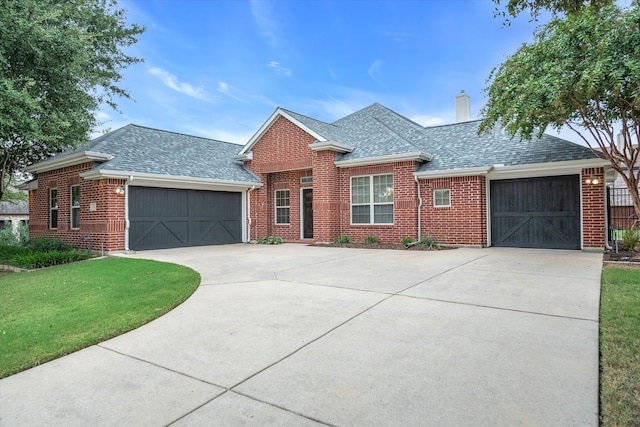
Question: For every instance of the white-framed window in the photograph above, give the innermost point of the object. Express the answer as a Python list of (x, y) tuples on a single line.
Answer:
[(75, 206), (306, 180), (442, 198), (53, 208), (283, 210), (372, 199)]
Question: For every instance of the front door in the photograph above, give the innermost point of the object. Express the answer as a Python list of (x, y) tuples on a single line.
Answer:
[(307, 213)]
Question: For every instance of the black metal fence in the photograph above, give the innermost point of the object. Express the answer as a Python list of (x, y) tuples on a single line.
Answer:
[(620, 207)]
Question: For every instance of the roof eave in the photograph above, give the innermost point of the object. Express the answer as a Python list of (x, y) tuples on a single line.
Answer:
[(70, 160), (417, 156), (331, 146), (549, 168), (28, 185), (447, 173), (170, 181)]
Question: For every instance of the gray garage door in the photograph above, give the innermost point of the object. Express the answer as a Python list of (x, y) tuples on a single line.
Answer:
[(170, 218), (536, 212)]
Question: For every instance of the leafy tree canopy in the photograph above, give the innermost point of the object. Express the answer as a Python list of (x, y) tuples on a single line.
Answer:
[(582, 71), (60, 60), (514, 8)]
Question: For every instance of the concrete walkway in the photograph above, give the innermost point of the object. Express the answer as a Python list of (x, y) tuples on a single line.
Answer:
[(297, 335)]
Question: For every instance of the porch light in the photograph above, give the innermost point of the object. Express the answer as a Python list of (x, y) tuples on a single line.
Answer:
[(592, 180), (119, 190)]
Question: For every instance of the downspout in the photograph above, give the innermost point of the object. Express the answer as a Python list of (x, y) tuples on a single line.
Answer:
[(249, 213), (419, 208), (126, 214)]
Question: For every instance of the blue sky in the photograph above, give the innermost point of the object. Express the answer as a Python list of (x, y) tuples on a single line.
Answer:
[(219, 68)]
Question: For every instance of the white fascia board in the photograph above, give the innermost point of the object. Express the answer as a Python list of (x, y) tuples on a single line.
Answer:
[(330, 146), (448, 173), (171, 181), (266, 125), (546, 169), (391, 158), (70, 160)]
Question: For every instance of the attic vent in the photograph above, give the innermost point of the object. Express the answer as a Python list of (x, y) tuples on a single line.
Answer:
[(306, 180)]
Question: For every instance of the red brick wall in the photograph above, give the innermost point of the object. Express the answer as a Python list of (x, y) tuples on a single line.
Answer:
[(593, 232), (405, 205), (283, 147), (465, 221), (105, 225)]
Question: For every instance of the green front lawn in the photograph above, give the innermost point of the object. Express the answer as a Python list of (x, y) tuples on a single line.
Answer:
[(52, 312), (620, 347)]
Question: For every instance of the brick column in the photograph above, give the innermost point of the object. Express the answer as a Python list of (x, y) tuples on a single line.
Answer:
[(326, 200), (593, 206)]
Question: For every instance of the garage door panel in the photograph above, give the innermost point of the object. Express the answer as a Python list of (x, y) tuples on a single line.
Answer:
[(536, 212), (166, 218)]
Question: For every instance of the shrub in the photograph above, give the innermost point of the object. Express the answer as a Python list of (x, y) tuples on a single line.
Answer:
[(9, 238), (343, 239), (271, 240), (630, 239), (31, 260), (48, 244), (429, 242), (405, 241), (370, 239)]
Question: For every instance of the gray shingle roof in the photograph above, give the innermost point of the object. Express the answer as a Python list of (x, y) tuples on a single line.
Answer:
[(377, 131), (146, 150), (21, 207)]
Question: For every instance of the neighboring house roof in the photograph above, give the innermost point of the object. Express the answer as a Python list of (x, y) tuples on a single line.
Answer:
[(21, 207), (146, 152)]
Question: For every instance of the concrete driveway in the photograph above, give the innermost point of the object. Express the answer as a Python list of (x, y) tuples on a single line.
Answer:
[(297, 335)]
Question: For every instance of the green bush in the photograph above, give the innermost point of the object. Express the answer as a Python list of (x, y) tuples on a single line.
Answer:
[(343, 239), (429, 242), (271, 240), (630, 239), (407, 240), (48, 244), (370, 239), (31, 260), (8, 238)]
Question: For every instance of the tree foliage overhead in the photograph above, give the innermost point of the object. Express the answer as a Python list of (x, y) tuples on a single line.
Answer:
[(582, 71), (60, 60), (514, 8)]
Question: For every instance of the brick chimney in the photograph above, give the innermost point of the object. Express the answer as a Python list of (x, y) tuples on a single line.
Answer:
[(463, 107)]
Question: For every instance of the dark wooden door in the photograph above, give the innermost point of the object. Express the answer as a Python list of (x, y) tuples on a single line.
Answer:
[(168, 218), (307, 213), (536, 212)]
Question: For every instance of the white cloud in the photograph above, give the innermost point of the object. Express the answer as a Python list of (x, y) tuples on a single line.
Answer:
[(172, 82), (427, 120), (279, 69), (261, 11), (374, 69), (240, 138), (241, 96)]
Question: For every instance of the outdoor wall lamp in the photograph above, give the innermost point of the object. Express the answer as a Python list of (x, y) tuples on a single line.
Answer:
[(592, 180), (119, 191)]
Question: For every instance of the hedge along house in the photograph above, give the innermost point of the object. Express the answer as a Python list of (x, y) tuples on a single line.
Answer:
[(141, 188), (371, 173), (376, 173)]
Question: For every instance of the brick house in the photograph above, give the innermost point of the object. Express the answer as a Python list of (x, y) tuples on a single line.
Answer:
[(371, 173)]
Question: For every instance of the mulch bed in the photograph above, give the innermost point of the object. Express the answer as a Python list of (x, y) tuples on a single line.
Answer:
[(627, 257)]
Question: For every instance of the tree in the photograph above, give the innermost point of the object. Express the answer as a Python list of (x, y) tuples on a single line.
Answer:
[(582, 71), (60, 60), (514, 8)]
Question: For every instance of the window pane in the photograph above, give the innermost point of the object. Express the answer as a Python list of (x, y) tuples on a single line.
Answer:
[(360, 189), (360, 215), (383, 188), (383, 214), (54, 218), (282, 216), (282, 198), (75, 195), (75, 218), (442, 197), (53, 198)]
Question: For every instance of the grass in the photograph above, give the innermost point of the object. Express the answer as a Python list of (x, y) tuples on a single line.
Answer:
[(620, 347), (48, 313)]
